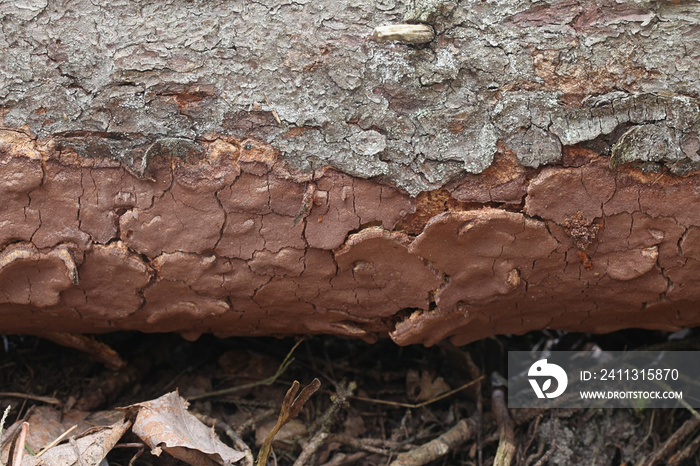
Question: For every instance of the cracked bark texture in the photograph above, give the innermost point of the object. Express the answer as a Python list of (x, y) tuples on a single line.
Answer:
[(257, 168)]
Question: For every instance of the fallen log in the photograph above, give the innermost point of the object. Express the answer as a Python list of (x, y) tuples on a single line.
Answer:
[(482, 183)]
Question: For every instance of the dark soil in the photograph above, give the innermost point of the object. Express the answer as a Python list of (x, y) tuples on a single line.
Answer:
[(375, 425)]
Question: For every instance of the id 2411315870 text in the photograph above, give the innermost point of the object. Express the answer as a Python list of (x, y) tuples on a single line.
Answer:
[(631, 374)]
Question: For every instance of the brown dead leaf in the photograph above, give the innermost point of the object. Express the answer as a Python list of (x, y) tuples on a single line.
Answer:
[(165, 425), (425, 388), (95, 434)]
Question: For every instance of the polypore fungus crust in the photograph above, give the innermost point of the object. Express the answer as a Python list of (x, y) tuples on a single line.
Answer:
[(233, 241)]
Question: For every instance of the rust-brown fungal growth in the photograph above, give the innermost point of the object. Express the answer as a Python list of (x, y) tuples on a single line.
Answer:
[(215, 242)]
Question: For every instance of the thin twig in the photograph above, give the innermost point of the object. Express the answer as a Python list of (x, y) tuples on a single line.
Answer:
[(475, 373), (538, 419), (237, 441), (418, 405), (138, 453), (56, 441), (267, 381), (44, 399), (249, 424), (74, 444), (646, 437), (538, 453), (552, 439), (341, 459), (339, 399), (311, 447), (87, 345), (359, 444), (140, 448)]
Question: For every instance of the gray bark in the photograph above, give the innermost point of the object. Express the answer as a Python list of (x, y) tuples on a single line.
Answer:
[(112, 78)]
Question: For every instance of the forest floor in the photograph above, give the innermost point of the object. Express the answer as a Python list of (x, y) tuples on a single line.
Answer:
[(376, 405)]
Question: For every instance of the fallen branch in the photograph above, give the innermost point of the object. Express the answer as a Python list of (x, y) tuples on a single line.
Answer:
[(370, 445), (506, 442), (87, 345), (685, 455), (453, 438), (673, 442)]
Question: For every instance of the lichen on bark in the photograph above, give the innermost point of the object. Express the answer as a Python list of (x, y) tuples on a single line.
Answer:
[(127, 74)]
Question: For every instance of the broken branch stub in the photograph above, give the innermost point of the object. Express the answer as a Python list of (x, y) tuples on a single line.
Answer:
[(409, 33)]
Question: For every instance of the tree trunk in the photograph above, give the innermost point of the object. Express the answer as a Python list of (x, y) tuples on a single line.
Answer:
[(258, 168)]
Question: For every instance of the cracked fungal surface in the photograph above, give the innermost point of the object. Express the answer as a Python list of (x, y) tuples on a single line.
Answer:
[(233, 241), (258, 168)]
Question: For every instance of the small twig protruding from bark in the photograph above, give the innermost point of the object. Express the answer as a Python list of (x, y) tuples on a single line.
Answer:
[(408, 33)]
